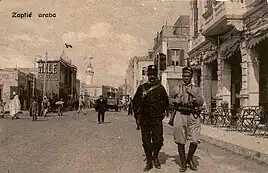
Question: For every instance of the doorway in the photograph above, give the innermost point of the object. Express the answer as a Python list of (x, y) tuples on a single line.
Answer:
[(263, 73), (236, 79)]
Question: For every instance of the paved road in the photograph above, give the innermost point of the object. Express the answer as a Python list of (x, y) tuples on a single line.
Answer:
[(80, 145)]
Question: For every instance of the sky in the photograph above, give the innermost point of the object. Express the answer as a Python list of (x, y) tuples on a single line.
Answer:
[(110, 31)]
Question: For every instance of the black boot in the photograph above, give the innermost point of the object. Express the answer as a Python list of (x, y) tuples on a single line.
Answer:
[(156, 162), (190, 163), (181, 149), (149, 165), (149, 161)]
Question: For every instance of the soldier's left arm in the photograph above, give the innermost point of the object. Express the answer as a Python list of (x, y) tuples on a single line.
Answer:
[(164, 98), (198, 97)]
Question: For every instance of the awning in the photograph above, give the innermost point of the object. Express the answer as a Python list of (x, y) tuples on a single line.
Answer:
[(258, 37), (229, 47), (210, 57)]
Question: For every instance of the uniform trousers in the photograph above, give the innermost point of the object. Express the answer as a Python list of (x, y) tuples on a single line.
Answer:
[(101, 116), (186, 127), (152, 135)]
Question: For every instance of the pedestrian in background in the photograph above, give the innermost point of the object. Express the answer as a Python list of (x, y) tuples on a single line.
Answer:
[(101, 108), (187, 102), (15, 107), (81, 104), (152, 101), (60, 107), (130, 107), (45, 106), (2, 108), (34, 109)]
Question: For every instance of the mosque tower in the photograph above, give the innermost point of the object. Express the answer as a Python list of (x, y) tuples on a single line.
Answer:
[(89, 74)]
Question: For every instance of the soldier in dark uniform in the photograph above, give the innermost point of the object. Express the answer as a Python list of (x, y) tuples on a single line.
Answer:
[(187, 101), (152, 101), (101, 108)]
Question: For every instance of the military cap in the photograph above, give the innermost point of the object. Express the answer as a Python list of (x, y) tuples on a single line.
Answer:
[(187, 69), (152, 70)]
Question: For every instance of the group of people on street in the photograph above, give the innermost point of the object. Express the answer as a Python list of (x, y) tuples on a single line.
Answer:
[(150, 103), (36, 108), (45, 105)]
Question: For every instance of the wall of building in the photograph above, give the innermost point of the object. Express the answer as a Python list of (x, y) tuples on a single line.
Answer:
[(60, 79), (8, 78), (54, 75)]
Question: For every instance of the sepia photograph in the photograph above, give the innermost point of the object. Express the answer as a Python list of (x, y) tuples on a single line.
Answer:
[(131, 86)]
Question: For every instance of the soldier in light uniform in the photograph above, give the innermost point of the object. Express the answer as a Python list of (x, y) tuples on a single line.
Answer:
[(151, 101), (187, 101)]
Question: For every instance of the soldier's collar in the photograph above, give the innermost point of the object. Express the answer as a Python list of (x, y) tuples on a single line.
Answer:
[(190, 84)]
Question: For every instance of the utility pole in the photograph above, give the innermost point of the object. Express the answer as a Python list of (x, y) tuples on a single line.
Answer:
[(45, 76), (72, 83), (33, 76)]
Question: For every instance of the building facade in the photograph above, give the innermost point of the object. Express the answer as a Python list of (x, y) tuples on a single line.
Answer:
[(92, 92), (136, 73), (223, 51), (170, 52), (59, 78), (18, 82), (255, 52)]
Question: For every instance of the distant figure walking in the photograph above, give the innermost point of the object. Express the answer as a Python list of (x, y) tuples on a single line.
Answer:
[(130, 107), (45, 106), (15, 107), (60, 106), (81, 104), (101, 107), (34, 109), (2, 110)]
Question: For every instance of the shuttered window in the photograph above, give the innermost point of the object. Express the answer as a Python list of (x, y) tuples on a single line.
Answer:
[(181, 59), (169, 57), (195, 15)]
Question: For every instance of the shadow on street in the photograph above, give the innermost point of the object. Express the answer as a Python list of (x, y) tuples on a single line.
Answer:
[(163, 157)]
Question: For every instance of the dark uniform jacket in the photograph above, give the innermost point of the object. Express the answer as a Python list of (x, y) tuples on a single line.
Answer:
[(154, 104), (101, 105)]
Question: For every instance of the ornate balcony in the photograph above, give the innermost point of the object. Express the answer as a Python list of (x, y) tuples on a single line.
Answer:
[(219, 17)]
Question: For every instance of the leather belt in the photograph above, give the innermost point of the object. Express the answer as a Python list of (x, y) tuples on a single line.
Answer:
[(185, 112)]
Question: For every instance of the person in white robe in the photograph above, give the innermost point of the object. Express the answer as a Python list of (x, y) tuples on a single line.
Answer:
[(15, 107)]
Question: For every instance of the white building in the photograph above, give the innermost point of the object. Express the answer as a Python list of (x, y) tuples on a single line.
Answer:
[(170, 52), (136, 73)]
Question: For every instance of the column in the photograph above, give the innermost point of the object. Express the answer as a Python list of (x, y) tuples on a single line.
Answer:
[(219, 89), (253, 78), (245, 74), (194, 79), (206, 84), (226, 82)]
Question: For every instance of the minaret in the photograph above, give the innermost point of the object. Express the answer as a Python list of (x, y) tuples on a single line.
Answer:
[(89, 74)]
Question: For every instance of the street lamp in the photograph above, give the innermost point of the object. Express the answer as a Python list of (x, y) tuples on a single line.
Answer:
[(38, 56)]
